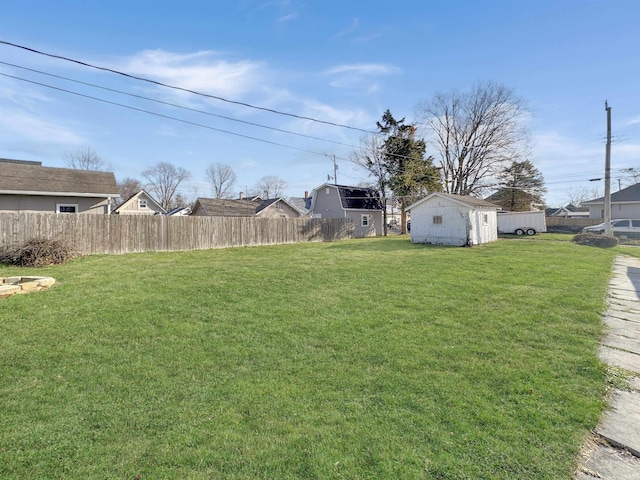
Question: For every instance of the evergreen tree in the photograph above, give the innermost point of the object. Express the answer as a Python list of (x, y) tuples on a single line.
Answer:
[(521, 187), (411, 175)]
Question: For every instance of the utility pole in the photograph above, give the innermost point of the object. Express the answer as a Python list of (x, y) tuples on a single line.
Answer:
[(607, 175), (335, 169)]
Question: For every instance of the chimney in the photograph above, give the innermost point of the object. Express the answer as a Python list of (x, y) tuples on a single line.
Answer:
[(241, 195)]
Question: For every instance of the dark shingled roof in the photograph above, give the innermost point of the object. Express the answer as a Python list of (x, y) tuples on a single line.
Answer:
[(221, 207), (265, 203), (31, 178), (359, 198)]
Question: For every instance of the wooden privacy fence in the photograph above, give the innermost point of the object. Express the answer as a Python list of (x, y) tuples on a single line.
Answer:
[(117, 234), (572, 222)]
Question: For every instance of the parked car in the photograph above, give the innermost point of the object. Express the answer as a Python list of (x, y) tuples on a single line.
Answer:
[(622, 226)]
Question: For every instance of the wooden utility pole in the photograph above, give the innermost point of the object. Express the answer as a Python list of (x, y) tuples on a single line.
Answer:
[(607, 175), (335, 169)]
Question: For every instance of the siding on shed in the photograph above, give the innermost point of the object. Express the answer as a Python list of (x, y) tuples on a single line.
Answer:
[(461, 224)]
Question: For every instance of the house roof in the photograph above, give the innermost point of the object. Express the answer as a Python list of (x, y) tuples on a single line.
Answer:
[(134, 197), (355, 198), (271, 201), (179, 211), (629, 194), (466, 200), (303, 204), (222, 207), (30, 178)]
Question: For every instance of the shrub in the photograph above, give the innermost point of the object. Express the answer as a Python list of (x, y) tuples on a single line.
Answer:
[(38, 252), (596, 240)]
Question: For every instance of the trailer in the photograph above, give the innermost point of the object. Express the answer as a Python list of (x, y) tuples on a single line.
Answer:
[(521, 223)]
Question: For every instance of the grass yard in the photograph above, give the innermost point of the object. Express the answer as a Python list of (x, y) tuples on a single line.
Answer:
[(362, 359)]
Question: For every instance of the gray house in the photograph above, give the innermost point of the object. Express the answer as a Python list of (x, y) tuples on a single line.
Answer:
[(29, 187), (625, 203), (362, 205)]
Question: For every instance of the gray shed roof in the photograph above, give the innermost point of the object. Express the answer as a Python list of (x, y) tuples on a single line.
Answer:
[(20, 178), (465, 199)]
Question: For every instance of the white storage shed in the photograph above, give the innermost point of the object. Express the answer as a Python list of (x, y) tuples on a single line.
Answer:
[(448, 219)]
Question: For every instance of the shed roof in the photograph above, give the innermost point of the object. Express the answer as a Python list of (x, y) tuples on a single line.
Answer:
[(30, 178), (461, 199)]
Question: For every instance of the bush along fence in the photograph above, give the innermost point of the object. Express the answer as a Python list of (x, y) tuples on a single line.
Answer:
[(115, 234)]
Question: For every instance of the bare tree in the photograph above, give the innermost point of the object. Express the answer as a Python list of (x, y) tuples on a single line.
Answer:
[(628, 177), (85, 158), (476, 133), (371, 157), (164, 179), (129, 187), (222, 178), (576, 196), (270, 186)]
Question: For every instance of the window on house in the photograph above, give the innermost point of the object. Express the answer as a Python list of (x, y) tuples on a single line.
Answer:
[(142, 203), (365, 220), (66, 208), (278, 205), (485, 219), (326, 191), (437, 219)]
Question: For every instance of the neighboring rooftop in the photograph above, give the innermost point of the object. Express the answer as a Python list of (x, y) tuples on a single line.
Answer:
[(222, 207), (21, 177), (629, 194)]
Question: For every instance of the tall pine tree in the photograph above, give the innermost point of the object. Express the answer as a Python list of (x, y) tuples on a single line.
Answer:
[(411, 174), (521, 187)]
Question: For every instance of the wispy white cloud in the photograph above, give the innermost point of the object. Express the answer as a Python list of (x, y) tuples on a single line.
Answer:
[(25, 119), (21, 124), (288, 17), (363, 69), (359, 75), (351, 28), (203, 71)]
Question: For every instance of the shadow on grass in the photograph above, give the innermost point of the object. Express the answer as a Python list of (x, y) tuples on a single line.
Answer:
[(383, 244)]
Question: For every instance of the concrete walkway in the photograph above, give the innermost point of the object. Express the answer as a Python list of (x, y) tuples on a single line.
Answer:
[(615, 455)]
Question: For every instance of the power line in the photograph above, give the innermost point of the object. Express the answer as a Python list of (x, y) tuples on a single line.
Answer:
[(162, 115), (179, 106), (395, 155), (206, 95)]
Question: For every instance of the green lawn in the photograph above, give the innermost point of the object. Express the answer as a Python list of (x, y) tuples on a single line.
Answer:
[(362, 359)]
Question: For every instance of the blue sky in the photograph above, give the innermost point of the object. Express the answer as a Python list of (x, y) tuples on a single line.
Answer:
[(343, 62)]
